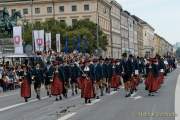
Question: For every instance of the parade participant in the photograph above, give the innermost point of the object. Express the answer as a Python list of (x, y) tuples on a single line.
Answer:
[(97, 77), (105, 74), (152, 78), (161, 68), (127, 71), (88, 89), (48, 73), (57, 83), (37, 77), (109, 72), (136, 76), (67, 75), (102, 76), (75, 74), (26, 83), (115, 80)]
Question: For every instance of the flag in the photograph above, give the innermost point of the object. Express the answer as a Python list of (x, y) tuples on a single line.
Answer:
[(38, 36), (17, 39), (48, 41), (58, 42), (66, 44), (85, 44), (79, 43), (74, 43)]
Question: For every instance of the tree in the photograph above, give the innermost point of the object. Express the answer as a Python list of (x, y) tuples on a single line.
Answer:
[(85, 30)]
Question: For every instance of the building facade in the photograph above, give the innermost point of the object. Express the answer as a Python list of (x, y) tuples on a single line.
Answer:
[(148, 40), (124, 32), (68, 11), (116, 28)]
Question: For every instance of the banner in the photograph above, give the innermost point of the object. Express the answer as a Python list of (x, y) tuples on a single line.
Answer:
[(66, 45), (58, 42), (17, 39), (48, 41), (38, 36)]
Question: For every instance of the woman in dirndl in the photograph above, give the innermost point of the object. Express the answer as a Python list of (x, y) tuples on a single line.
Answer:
[(152, 77), (115, 81), (25, 83), (88, 89), (57, 82)]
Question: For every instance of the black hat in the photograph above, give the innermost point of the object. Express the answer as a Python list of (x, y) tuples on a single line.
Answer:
[(124, 55)]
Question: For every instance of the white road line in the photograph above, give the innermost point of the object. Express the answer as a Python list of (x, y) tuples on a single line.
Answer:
[(20, 104), (112, 93), (67, 116), (138, 97), (94, 102), (133, 95), (177, 99)]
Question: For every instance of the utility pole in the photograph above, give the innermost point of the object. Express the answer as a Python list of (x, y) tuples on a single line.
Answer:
[(53, 10)]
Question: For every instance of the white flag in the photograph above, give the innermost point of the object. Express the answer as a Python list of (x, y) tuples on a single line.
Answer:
[(58, 42), (39, 40), (48, 41), (17, 38)]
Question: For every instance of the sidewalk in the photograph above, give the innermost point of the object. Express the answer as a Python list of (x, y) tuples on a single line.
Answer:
[(177, 99)]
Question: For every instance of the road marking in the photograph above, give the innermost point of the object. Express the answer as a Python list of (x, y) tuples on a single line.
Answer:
[(138, 97), (20, 104), (133, 94), (67, 116), (113, 92), (94, 102), (177, 99)]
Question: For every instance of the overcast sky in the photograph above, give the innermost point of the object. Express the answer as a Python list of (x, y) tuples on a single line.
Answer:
[(163, 15)]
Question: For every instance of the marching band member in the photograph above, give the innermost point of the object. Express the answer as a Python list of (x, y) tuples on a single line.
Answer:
[(48, 73), (25, 83), (57, 83)]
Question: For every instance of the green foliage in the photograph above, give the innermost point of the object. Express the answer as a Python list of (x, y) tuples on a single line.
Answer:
[(84, 29)]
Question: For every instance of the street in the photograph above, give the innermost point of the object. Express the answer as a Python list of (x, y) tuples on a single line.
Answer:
[(113, 106)]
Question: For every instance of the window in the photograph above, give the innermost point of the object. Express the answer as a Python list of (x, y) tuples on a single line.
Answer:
[(37, 10), (86, 7), (105, 10), (13, 11), (74, 8), (87, 19), (74, 21), (61, 8), (62, 21), (49, 9), (25, 11)]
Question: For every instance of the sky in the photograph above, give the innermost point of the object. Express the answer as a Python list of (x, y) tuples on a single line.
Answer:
[(163, 15)]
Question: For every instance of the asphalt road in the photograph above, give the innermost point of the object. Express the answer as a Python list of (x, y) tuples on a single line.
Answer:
[(109, 107)]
